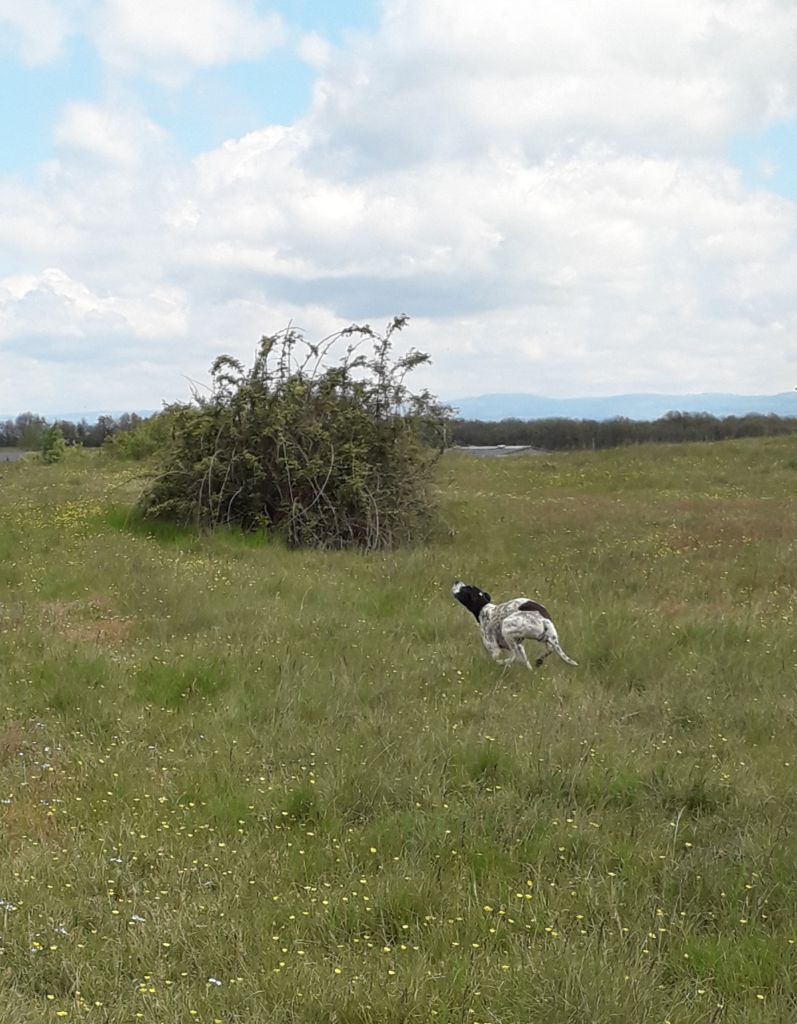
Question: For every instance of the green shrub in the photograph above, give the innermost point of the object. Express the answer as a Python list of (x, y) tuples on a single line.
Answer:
[(143, 441), (53, 446), (331, 456)]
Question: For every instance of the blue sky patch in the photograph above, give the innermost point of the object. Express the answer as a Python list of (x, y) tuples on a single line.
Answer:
[(33, 100), (768, 161), (214, 105)]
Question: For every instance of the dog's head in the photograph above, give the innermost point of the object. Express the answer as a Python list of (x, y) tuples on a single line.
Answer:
[(470, 597)]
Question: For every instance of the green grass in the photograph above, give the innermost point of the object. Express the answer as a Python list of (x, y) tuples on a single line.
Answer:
[(300, 775)]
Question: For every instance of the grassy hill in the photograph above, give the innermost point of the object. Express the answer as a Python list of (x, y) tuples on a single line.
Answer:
[(240, 784)]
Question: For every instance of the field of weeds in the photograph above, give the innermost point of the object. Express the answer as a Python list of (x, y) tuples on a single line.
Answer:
[(240, 784)]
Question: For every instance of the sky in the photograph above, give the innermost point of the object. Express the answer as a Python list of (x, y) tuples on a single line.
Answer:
[(567, 198)]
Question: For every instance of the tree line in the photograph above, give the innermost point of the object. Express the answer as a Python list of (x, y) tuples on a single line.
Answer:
[(560, 434), (131, 432), (28, 430)]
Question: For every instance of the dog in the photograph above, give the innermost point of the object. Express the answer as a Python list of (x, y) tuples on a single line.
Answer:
[(504, 627)]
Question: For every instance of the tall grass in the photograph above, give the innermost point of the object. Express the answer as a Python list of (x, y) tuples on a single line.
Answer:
[(244, 784)]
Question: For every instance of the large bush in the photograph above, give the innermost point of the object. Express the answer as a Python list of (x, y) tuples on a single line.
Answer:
[(328, 453)]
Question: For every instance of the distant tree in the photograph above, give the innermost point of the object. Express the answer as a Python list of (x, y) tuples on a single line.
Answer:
[(69, 430), (127, 422), (8, 434), (97, 432), (29, 430)]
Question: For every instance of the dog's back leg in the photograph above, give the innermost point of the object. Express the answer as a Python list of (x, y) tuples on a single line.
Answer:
[(545, 654), (514, 630), (520, 654)]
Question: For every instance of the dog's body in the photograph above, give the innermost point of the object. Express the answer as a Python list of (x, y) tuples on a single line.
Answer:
[(505, 626)]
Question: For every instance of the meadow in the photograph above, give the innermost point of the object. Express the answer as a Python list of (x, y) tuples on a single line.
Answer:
[(241, 784)]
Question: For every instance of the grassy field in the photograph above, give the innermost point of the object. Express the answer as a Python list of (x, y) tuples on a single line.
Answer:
[(241, 784)]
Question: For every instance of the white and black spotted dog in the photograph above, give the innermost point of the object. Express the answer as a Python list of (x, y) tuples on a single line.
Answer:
[(505, 626)]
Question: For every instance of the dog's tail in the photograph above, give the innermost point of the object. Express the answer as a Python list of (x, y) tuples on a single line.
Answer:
[(551, 640), (555, 646)]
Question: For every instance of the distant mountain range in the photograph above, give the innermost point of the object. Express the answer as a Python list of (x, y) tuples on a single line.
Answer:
[(536, 407), (633, 407)]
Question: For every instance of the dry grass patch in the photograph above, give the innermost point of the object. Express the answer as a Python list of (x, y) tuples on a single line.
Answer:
[(12, 742), (90, 621)]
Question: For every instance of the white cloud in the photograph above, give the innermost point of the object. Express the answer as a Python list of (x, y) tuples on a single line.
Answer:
[(454, 78), (109, 134), (315, 50), (543, 188), (58, 310), (32, 230), (167, 39), (39, 28)]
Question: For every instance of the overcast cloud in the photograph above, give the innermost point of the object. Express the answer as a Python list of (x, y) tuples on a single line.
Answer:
[(546, 189)]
